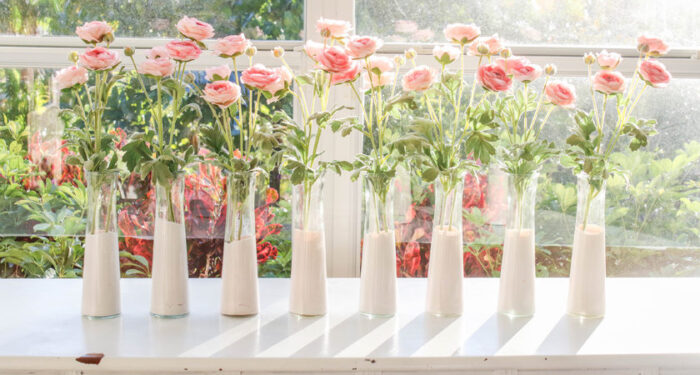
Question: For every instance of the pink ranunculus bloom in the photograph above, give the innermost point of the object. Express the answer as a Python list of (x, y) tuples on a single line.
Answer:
[(335, 28), (260, 77), (70, 76), (372, 80), (194, 28), (158, 67), (313, 49), (608, 60), (158, 52), (99, 58), (654, 73), (609, 82), (232, 45), (360, 47), (561, 93), (218, 73), (461, 33), (512, 63), (527, 73), (652, 45), (183, 50), (94, 31), (383, 64), (284, 81), (493, 43), (445, 54), (348, 75), (419, 78), (222, 93), (494, 78), (334, 60)]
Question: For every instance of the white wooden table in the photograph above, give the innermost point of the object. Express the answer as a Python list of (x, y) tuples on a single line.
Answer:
[(652, 327)]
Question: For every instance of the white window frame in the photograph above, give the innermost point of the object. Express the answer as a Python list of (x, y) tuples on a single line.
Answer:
[(342, 197)]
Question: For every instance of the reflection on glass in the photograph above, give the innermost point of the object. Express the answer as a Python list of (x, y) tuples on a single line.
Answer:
[(595, 22), (258, 19)]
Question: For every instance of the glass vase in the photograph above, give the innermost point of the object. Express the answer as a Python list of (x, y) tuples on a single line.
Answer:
[(378, 272), (169, 296), (101, 273), (587, 276), (308, 290), (239, 273), (446, 266), (516, 294)]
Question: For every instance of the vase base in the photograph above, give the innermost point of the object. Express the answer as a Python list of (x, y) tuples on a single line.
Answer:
[(239, 315), (513, 314), (444, 315), (584, 315), (101, 317), (177, 316), (376, 316), (302, 316)]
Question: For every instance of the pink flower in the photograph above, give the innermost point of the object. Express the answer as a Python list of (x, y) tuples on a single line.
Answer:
[(652, 45), (492, 77), (158, 67), (334, 60), (70, 76), (609, 82), (445, 54), (183, 50), (218, 73), (232, 45), (360, 47), (527, 72), (333, 28), (405, 26), (346, 76), (372, 80), (313, 49), (260, 77), (654, 73), (285, 80), (99, 58), (493, 43), (512, 63), (93, 32), (158, 52), (222, 93), (423, 35), (383, 64), (194, 28), (561, 93), (608, 60), (419, 78), (461, 33)]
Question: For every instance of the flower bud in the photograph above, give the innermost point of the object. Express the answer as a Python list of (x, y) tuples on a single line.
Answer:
[(278, 52), (410, 54), (189, 78), (73, 57), (108, 38), (251, 51), (589, 58), (482, 48), (399, 60), (550, 69), (506, 53), (325, 33), (128, 51)]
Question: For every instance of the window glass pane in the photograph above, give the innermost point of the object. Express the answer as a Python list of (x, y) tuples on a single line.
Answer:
[(653, 222), (595, 22), (43, 201), (258, 19)]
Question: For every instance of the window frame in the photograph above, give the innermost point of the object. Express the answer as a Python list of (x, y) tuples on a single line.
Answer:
[(342, 197)]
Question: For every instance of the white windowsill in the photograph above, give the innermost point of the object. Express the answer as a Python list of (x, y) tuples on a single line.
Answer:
[(652, 326)]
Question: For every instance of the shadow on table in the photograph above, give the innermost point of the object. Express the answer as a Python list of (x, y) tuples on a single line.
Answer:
[(493, 334), (568, 336)]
